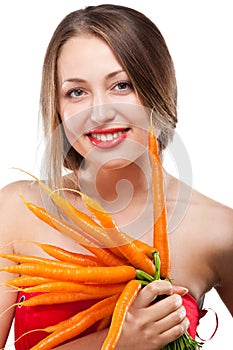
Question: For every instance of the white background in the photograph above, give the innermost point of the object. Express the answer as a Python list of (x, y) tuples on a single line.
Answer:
[(199, 36)]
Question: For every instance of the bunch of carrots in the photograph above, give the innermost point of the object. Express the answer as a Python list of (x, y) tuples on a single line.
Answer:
[(114, 273)]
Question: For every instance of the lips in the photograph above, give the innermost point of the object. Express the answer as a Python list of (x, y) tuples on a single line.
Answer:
[(107, 138)]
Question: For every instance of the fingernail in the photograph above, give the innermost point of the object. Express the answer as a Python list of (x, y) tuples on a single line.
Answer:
[(187, 323), (180, 290), (178, 300), (182, 313)]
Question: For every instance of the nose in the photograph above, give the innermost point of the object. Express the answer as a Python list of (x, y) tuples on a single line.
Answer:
[(103, 113), (102, 110)]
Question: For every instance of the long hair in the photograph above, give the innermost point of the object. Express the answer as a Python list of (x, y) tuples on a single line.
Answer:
[(142, 52)]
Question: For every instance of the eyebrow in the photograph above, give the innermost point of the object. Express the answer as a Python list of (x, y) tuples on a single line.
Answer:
[(79, 80)]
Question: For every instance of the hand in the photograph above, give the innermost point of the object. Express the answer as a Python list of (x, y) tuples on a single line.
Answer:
[(151, 325)]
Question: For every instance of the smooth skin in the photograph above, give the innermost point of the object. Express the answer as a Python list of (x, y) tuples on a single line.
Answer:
[(201, 244)]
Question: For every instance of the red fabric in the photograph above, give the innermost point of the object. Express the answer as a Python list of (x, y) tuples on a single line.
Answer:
[(29, 318), (192, 313)]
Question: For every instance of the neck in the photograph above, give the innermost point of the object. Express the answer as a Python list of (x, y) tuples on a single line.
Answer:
[(108, 184), (125, 193)]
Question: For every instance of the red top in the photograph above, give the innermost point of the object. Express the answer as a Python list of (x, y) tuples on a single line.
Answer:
[(29, 318)]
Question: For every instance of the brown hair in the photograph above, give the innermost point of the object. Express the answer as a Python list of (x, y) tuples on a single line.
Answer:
[(142, 51)]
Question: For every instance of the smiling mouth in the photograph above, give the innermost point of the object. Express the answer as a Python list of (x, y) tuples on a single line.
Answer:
[(107, 138)]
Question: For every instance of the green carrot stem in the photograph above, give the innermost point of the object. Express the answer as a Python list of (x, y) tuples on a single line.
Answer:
[(142, 275), (184, 342), (157, 266)]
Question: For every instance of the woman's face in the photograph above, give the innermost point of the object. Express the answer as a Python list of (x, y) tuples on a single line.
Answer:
[(101, 113)]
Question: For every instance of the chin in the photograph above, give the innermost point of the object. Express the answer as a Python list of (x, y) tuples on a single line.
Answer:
[(114, 164)]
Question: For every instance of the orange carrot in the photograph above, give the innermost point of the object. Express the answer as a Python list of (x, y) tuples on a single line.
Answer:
[(160, 217), (136, 257), (26, 281), (95, 208), (34, 259), (65, 255), (125, 300), (124, 243), (146, 248), (77, 324), (72, 212), (59, 224), (84, 222), (63, 286), (113, 274), (105, 256), (57, 298), (104, 323), (107, 221), (61, 298), (88, 225)]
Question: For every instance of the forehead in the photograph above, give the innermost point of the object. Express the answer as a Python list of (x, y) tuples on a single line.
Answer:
[(86, 53)]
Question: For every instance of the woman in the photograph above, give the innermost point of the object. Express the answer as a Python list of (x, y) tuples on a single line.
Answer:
[(106, 72)]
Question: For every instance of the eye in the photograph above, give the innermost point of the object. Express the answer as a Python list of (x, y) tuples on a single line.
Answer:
[(75, 93), (123, 86)]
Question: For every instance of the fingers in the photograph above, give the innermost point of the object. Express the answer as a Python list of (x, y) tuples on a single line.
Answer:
[(180, 290), (154, 289), (166, 320), (164, 308), (177, 317), (152, 321), (149, 293), (174, 332)]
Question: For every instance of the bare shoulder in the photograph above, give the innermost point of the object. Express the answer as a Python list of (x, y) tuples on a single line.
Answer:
[(14, 214), (10, 195), (215, 216), (200, 213)]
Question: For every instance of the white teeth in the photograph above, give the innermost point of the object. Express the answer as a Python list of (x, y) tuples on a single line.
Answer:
[(107, 137), (103, 137)]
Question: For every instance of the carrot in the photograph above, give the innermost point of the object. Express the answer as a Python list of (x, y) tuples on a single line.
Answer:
[(136, 257), (113, 274), (63, 286), (26, 281), (104, 255), (125, 300), (72, 212), (103, 217), (59, 224), (57, 298), (81, 219), (34, 259), (125, 243), (95, 208), (61, 298), (77, 324), (107, 221), (104, 323), (146, 248), (65, 255), (160, 217)]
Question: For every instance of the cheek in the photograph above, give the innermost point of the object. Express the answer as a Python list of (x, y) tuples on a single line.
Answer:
[(75, 123), (142, 136), (75, 126)]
